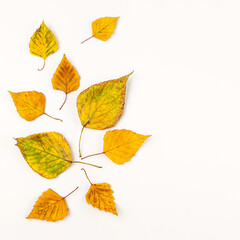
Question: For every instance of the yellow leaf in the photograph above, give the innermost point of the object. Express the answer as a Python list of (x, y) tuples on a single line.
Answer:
[(101, 196), (43, 43), (101, 105), (65, 78), (103, 28), (50, 207), (121, 145), (48, 153), (30, 105)]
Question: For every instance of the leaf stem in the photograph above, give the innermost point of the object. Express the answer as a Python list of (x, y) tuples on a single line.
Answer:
[(86, 39), (86, 164), (71, 192), (64, 101), (86, 175), (95, 154), (53, 117), (80, 141), (42, 66)]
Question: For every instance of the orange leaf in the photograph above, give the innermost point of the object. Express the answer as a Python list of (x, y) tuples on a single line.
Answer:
[(50, 207), (65, 78), (121, 145), (30, 105), (100, 196)]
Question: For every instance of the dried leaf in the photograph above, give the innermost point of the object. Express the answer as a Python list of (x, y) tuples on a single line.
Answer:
[(65, 78), (101, 105), (103, 28), (30, 105), (48, 153), (100, 196), (50, 207), (43, 43), (121, 145)]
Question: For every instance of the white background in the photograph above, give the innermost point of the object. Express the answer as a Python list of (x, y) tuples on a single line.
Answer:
[(185, 91)]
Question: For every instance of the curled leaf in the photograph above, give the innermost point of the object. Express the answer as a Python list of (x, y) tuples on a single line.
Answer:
[(103, 28), (48, 153), (100, 196), (30, 105), (65, 78), (43, 43), (121, 145), (101, 105)]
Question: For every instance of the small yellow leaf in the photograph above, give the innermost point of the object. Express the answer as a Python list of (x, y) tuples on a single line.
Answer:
[(43, 43), (103, 28), (101, 105), (101, 196), (50, 207), (30, 105), (48, 153), (121, 145), (65, 78)]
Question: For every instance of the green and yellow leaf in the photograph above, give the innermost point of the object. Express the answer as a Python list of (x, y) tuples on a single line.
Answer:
[(121, 145), (43, 43), (50, 207), (103, 28), (101, 105), (47, 153), (65, 78)]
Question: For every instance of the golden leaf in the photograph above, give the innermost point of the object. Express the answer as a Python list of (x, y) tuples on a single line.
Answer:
[(101, 105), (30, 105), (43, 43), (65, 78), (103, 28), (50, 207), (101, 196), (48, 153), (121, 145)]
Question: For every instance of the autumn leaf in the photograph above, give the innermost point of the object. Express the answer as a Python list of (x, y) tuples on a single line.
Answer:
[(30, 105), (50, 207), (101, 105), (65, 78), (103, 28), (47, 153), (100, 196), (43, 43), (121, 145)]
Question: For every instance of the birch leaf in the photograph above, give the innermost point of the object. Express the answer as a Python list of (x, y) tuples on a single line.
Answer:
[(50, 207), (100, 196), (65, 78), (30, 105), (101, 105), (43, 43), (121, 145), (48, 153), (103, 28)]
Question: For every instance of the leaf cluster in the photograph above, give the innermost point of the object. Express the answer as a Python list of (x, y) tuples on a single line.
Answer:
[(99, 107)]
